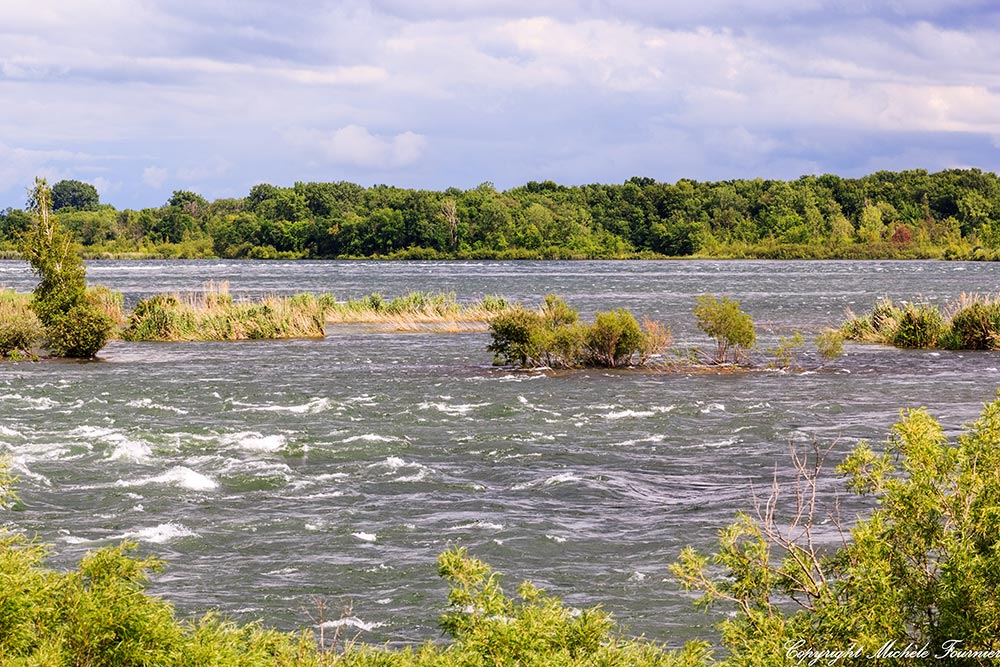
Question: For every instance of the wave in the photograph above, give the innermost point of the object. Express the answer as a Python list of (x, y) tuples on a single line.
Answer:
[(177, 476)]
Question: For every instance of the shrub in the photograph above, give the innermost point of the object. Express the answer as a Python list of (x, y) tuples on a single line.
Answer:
[(829, 344), (613, 338), (516, 337), (921, 568), (976, 325), (80, 332), (732, 329), (918, 325)]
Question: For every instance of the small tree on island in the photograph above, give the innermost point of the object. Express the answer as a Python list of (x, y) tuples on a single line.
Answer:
[(732, 329), (73, 325)]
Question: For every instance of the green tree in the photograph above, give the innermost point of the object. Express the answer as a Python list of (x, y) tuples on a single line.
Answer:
[(732, 329), (76, 194), (74, 326)]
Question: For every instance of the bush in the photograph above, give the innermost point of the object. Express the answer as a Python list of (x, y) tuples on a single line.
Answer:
[(922, 568), (732, 329), (613, 338), (80, 332), (976, 326), (917, 326), (516, 338)]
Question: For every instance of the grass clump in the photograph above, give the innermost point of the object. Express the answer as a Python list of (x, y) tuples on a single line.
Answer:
[(213, 314), (970, 323), (20, 328), (417, 311)]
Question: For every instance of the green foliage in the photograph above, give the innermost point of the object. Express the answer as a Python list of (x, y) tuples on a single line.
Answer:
[(214, 315), (80, 332), (553, 337), (74, 194), (922, 567), (73, 325), (732, 329), (911, 214), (918, 325), (975, 325), (614, 338), (8, 494), (829, 344), (20, 328), (785, 353)]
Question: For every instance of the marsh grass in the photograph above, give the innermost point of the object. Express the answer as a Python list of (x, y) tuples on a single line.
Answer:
[(214, 315), (20, 328), (417, 312), (972, 322)]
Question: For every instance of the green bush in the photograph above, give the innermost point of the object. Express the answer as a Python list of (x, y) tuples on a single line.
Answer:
[(922, 567), (732, 329), (976, 326), (613, 338), (80, 332), (917, 326), (516, 338)]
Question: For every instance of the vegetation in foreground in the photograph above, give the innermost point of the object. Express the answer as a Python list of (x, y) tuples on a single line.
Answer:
[(970, 323), (952, 214), (554, 337), (213, 314), (912, 583)]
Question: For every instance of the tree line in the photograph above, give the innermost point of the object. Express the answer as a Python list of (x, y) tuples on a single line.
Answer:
[(952, 214)]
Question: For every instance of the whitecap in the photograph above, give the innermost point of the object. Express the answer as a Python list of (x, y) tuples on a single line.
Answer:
[(478, 524), (713, 407), (351, 622), (452, 410), (177, 476), (556, 538), (312, 406), (365, 537), (165, 532), (41, 403), (148, 403), (254, 441), (371, 437)]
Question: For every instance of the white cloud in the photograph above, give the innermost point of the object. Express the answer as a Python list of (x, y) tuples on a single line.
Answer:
[(355, 145), (154, 177)]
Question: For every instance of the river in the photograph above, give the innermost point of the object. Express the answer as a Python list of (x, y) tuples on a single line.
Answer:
[(267, 473)]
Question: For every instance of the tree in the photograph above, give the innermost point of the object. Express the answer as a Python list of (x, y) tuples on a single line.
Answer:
[(732, 329), (74, 326), (922, 569), (76, 194)]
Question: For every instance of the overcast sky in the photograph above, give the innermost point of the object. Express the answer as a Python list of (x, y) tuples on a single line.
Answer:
[(143, 97)]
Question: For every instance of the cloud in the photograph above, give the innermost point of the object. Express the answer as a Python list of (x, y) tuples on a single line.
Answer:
[(355, 145), (154, 177)]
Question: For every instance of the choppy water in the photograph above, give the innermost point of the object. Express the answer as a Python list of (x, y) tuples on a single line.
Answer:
[(270, 472)]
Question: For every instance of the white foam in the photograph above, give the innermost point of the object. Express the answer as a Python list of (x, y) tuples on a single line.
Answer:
[(128, 450), (176, 476), (165, 532), (561, 478), (41, 403), (637, 576), (312, 406), (452, 410), (365, 537), (351, 622), (479, 524), (713, 407), (556, 538), (9, 432), (371, 437), (253, 441), (148, 403)]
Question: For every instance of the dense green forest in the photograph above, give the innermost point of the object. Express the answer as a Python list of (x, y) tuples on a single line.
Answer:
[(953, 214)]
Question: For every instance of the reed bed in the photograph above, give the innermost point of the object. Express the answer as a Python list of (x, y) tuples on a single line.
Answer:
[(972, 322), (20, 329), (213, 315), (417, 312)]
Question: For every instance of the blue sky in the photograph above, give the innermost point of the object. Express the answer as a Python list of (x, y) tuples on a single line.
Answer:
[(143, 97)]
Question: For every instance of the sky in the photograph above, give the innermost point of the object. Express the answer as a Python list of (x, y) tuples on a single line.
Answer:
[(144, 97)]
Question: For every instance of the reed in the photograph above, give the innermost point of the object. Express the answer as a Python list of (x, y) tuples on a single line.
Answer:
[(214, 315), (20, 329), (417, 311), (971, 322)]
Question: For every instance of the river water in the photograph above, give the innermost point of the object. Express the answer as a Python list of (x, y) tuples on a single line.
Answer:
[(267, 473)]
